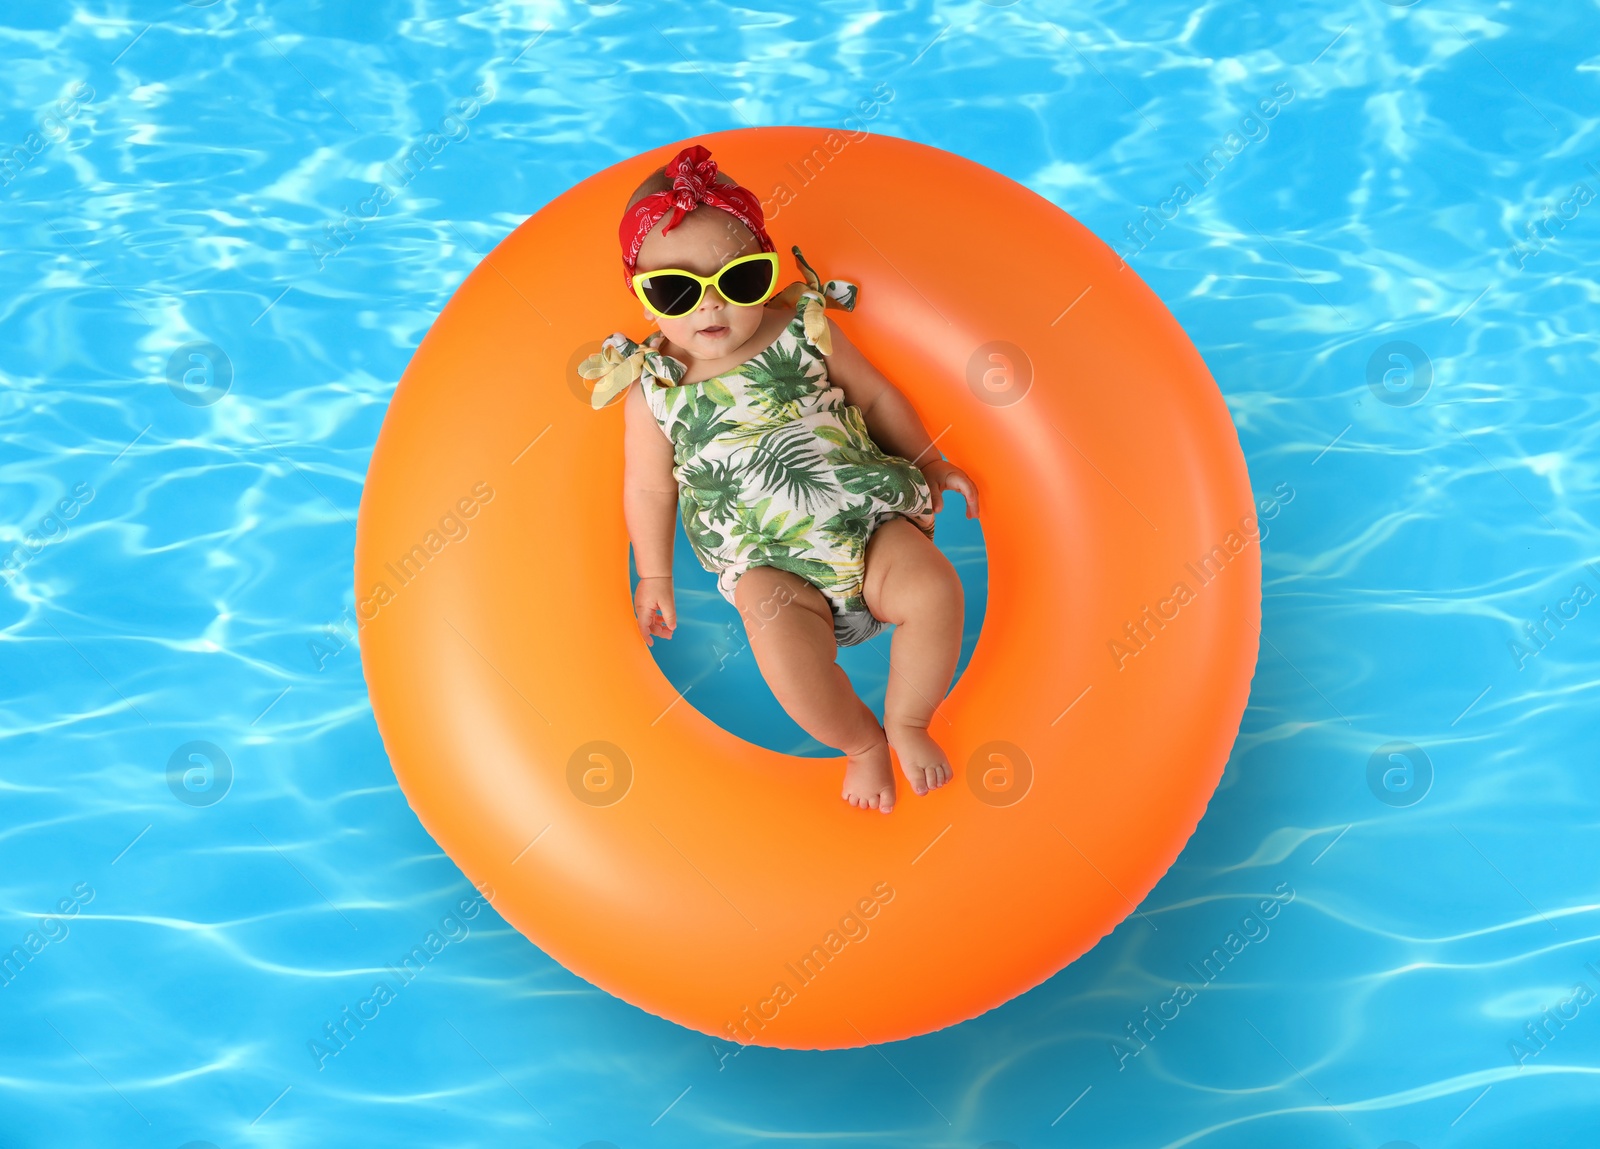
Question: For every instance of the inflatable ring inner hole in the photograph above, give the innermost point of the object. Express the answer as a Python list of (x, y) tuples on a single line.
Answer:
[(708, 658)]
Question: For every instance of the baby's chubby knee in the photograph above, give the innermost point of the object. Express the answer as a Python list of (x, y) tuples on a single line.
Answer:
[(931, 583), (907, 575), (921, 585)]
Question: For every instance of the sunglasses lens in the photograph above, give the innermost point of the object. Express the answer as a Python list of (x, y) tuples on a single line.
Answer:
[(747, 283), (671, 294)]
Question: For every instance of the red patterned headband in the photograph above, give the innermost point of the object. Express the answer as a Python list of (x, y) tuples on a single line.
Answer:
[(694, 182)]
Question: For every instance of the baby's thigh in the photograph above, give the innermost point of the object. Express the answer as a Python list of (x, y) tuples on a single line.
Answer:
[(906, 573), (763, 593)]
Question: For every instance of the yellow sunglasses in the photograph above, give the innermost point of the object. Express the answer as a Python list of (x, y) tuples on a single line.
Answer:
[(744, 282)]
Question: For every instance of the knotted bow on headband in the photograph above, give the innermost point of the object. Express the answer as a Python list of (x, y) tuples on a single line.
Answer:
[(694, 182)]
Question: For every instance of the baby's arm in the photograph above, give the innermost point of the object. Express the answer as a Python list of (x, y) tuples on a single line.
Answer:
[(650, 507), (892, 420)]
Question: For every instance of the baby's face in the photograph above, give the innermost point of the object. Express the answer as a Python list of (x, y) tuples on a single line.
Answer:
[(702, 242)]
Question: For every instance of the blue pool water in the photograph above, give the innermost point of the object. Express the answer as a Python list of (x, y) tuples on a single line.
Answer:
[(1391, 280)]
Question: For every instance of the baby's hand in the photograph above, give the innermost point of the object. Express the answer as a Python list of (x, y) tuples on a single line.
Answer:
[(655, 594), (943, 475)]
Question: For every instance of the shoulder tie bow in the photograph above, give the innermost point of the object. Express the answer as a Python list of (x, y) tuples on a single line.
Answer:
[(612, 370), (815, 297)]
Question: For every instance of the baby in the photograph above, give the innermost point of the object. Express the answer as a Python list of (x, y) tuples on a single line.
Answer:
[(761, 426)]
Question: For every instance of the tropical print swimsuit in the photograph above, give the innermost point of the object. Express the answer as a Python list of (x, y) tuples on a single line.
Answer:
[(774, 467)]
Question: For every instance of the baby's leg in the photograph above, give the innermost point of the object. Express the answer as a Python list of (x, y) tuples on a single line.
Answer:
[(910, 583), (791, 634)]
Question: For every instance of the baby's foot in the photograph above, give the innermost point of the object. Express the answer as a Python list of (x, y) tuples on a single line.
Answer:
[(924, 762), (869, 779)]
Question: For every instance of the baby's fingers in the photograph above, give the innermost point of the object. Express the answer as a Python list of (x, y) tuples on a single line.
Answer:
[(649, 623), (969, 491), (669, 616)]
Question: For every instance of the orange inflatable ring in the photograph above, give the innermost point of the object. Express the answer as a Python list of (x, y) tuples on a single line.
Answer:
[(727, 887)]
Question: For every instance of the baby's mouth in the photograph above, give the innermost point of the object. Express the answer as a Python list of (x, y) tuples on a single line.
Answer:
[(713, 332)]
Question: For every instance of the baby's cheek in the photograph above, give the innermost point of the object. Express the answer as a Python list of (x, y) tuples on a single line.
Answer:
[(744, 322)]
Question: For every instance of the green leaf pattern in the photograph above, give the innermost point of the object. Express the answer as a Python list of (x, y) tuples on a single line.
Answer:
[(774, 467)]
